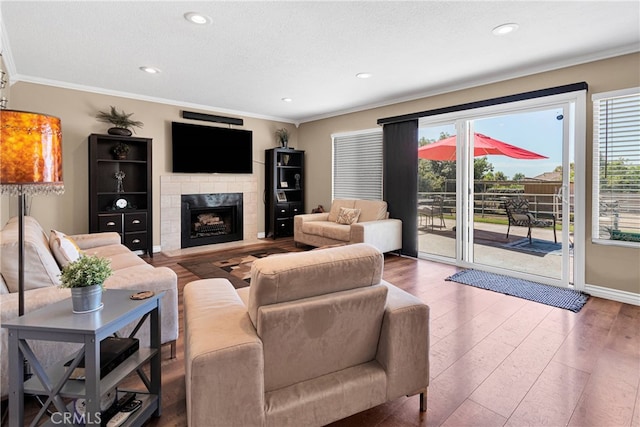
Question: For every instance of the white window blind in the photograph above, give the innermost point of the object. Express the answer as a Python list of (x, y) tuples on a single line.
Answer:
[(616, 167), (357, 165)]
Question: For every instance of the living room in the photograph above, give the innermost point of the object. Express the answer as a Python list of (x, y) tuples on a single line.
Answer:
[(610, 272)]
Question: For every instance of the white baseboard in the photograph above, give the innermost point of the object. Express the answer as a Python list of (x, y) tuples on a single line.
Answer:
[(613, 294)]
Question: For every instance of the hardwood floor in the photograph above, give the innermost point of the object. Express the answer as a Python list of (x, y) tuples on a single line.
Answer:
[(495, 360)]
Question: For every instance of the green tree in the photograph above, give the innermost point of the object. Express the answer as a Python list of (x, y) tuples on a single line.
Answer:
[(518, 176), (620, 175), (500, 176), (481, 167), (572, 171)]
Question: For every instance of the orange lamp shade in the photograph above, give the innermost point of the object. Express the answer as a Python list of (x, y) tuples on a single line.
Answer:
[(30, 153)]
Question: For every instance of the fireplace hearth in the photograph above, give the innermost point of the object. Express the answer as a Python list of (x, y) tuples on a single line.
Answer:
[(211, 218)]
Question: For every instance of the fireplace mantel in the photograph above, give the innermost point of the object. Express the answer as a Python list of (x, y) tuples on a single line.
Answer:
[(172, 187)]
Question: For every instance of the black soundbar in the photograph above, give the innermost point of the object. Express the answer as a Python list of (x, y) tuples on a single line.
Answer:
[(211, 118)]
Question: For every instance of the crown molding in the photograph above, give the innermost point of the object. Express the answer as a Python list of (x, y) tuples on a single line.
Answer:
[(172, 102), (494, 78), (461, 85)]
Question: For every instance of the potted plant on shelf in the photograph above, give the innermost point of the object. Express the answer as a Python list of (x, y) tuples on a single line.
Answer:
[(120, 150), (122, 122), (283, 137), (85, 277)]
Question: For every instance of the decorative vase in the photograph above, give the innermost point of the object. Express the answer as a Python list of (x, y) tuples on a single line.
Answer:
[(86, 299), (119, 131)]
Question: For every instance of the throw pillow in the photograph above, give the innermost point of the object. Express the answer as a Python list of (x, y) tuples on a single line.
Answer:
[(348, 216), (63, 247)]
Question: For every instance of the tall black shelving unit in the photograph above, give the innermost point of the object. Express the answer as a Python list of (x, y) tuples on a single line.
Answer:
[(126, 210), (284, 190)]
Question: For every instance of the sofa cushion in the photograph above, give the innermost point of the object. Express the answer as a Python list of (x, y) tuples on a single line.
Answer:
[(41, 269), (122, 261), (348, 216), (336, 205), (109, 250), (331, 230), (121, 257), (63, 247), (371, 210), (306, 274)]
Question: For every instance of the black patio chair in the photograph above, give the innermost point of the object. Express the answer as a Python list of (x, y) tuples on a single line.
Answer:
[(518, 213), (431, 209)]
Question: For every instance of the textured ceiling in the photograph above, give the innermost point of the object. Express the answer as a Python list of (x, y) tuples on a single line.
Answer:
[(253, 54)]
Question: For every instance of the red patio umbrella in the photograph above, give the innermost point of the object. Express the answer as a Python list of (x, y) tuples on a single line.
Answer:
[(483, 145)]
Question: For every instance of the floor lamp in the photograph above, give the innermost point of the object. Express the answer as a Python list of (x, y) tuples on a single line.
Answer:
[(30, 164)]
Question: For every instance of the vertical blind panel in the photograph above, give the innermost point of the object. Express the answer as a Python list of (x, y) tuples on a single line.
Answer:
[(357, 166), (616, 165)]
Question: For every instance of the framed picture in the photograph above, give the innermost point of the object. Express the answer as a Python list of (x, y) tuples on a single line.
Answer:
[(284, 184), (282, 197)]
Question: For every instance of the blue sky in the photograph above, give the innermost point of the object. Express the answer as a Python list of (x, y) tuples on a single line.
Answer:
[(539, 131)]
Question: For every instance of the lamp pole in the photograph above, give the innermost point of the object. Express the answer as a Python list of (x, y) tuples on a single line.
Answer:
[(21, 253)]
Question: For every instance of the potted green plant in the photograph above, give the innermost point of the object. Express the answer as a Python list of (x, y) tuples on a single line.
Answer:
[(283, 137), (85, 277), (120, 150), (122, 122)]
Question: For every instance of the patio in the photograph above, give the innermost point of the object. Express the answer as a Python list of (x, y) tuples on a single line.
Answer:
[(490, 246)]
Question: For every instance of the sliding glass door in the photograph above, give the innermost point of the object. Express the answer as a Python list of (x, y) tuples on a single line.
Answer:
[(496, 189), (437, 190), (523, 186)]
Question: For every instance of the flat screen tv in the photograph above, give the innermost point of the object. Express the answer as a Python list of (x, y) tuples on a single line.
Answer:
[(209, 149)]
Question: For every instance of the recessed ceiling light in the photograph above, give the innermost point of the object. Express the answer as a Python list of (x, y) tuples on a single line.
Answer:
[(503, 29), (197, 18), (150, 70), (287, 99), (364, 75)]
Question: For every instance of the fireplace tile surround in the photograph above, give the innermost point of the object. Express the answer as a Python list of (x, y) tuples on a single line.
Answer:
[(172, 187)]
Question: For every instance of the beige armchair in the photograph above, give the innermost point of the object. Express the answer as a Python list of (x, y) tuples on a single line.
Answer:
[(318, 336)]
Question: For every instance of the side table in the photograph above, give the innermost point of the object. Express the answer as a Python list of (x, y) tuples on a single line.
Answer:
[(57, 322)]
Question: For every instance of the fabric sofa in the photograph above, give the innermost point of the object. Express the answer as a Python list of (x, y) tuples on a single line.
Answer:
[(316, 337), (371, 225), (41, 280)]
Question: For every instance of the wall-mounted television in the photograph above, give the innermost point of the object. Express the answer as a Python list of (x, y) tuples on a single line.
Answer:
[(210, 149)]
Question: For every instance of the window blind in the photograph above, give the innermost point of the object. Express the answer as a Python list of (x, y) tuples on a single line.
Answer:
[(357, 165), (616, 166)]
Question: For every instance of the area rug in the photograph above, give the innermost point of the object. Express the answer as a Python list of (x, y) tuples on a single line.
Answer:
[(532, 291), (536, 246), (234, 265)]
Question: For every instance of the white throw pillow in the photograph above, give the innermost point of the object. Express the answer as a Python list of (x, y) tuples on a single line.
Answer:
[(63, 247)]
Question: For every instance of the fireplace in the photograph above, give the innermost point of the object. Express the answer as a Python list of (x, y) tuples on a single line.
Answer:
[(210, 218)]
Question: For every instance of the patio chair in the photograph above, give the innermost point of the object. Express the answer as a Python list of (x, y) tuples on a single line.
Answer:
[(431, 209), (518, 213)]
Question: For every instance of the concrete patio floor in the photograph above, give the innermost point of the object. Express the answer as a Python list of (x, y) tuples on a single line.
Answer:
[(489, 247)]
